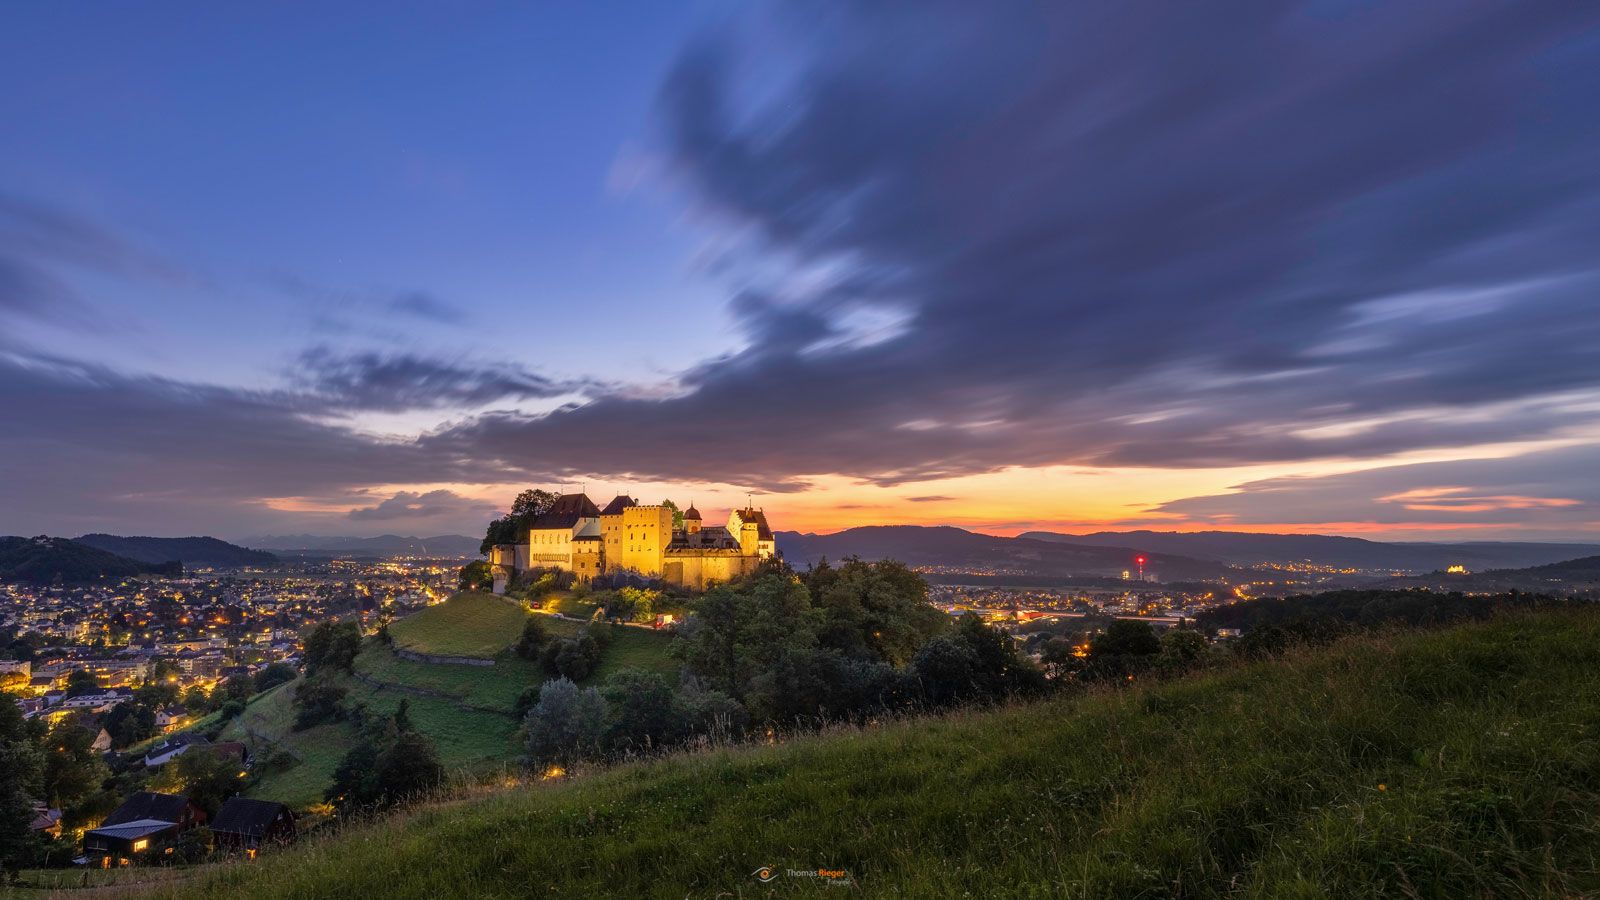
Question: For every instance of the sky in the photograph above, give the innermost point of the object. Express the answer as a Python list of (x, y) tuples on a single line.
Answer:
[(1269, 266)]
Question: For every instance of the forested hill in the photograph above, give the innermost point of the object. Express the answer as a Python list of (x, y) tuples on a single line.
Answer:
[(1248, 549), (46, 560), (191, 551), (955, 549)]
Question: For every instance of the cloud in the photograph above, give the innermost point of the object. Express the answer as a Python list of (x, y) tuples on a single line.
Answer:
[(41, 245), (931, 498), (1123, 234), (413, 505), (427, 307), (92, 449), (370, 381), (1552, 490)]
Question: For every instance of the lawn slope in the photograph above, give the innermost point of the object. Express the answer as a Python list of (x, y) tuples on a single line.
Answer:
[(468, 710), (1462, 762), (468, 624)]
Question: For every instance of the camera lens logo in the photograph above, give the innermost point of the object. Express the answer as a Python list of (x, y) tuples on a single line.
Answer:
[(765, 874)]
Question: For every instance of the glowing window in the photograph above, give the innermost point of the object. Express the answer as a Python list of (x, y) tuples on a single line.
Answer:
[(140, 844)]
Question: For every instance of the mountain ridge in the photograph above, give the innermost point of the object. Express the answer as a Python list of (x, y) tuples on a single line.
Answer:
[(1252, 548), (47, 560), (193, 551)]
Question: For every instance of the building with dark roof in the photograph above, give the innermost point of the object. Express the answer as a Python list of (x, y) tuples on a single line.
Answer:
[(248, 825), (629, 538), (150, 805), (129, 842), (144, 827)]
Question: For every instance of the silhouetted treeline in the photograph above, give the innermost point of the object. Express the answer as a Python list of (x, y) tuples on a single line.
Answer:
[(1272, 623)]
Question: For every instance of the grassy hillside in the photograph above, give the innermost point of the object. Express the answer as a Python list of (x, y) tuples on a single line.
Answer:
[(266, 727), (1452, 763), (468, 624), (466, 709)]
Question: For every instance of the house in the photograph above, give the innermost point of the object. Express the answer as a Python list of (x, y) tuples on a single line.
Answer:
[(171, 718), (150, 805), (172, 748), (248, 825), (101, 742), (129, 842), (145, 826), (46, 820)]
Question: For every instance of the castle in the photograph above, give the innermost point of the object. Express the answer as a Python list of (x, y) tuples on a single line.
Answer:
[(578, 537)]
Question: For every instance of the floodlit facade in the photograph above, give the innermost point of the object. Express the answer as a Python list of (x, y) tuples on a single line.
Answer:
[(627, 537)]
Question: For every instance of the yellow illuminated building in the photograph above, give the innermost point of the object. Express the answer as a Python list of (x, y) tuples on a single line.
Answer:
[(629, 538)]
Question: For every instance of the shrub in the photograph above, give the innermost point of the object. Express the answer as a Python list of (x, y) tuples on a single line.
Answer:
[(566, 725), (319, 699), (534, 637)]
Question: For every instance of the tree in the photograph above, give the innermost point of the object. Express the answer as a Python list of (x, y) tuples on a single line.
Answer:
[(20, 771), (1060, 656), (1181, 650), (73, 771), (874, 609), (531, 504), (677, 514), (476, 576), (205, 777), (332, 644), (402, 716), (408, 767), (273, 675), (318, 699), (739, 631), (512, 528), (974, 663), (164, 670), (1125, 637), (946, 669), (643, 714), (82, 682), (1124, 648), (198, 700), (130, 722), (534, 637), (238, 687), (355, 780), (566, 725)]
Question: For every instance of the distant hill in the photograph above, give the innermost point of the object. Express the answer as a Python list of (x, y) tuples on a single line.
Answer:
[(1246, 549), (194, 552), (46, 560), (1573, 576), (955, 549), (444, 546)]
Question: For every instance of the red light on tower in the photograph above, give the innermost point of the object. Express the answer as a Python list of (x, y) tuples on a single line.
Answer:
[(1140, 561)]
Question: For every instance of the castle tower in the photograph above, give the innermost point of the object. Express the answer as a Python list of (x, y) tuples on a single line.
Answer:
[(691, 520)]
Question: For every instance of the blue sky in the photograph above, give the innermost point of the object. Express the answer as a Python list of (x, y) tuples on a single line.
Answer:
[(299, 163), (1292, 266)]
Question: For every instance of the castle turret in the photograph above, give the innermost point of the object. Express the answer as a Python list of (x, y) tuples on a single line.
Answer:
[(691, 520)]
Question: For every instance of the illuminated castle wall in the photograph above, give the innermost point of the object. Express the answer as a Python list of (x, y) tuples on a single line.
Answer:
[(578, 537)]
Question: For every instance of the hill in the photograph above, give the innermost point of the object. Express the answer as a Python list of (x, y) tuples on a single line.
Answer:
[(468, 710), (444, 546), (194, 552), (46, 560), (1457, 762), (950, 549), (1573, 576), (1248, 549)]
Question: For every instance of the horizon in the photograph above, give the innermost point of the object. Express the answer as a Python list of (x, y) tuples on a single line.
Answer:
[(295, 270)]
